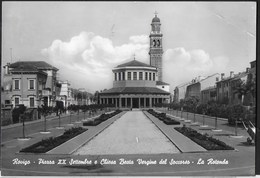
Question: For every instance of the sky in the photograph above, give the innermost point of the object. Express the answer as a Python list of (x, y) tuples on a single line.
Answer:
[(86, 40)]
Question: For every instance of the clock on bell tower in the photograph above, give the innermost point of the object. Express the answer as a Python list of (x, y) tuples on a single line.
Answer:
[(156, 50)]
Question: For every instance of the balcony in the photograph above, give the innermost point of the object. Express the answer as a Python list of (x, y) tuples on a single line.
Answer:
[(46, 92)]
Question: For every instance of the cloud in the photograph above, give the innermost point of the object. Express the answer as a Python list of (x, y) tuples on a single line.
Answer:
[(87, 60), (182, 66)]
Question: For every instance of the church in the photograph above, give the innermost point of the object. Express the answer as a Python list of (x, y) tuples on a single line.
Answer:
[(140, 85)]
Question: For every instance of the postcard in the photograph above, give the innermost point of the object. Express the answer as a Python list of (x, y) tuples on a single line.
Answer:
[(128, 88)]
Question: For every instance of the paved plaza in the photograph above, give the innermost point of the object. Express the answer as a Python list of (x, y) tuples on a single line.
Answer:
[(133, 133)]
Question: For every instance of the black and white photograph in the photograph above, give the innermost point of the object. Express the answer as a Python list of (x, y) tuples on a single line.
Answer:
[(128, 88)]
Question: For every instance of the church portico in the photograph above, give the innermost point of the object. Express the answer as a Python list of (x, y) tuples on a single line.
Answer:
[(133, 100)]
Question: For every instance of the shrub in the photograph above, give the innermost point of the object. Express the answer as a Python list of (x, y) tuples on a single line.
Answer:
[(205, 141), (101, 118), (163, 117), (47, 144)]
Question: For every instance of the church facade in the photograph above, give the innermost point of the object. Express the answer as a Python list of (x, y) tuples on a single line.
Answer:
[(140, 85)]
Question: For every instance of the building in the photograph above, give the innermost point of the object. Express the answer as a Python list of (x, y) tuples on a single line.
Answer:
[(209, 94), (227, 88), (139, 85), (163, 86), (65, 93), (180, 92), (200, 83), (251, 78), (30, 83), (223, 88)]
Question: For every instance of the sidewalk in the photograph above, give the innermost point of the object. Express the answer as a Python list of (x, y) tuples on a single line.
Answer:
[(183, 143)]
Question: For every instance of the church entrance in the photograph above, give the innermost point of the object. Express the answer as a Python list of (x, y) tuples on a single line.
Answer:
[(135, 102)]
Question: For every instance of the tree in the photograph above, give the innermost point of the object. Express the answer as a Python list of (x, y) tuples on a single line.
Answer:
[(45, 111), (17, 111), (251, 87), (96, 97), (241, 89), (191, 103)]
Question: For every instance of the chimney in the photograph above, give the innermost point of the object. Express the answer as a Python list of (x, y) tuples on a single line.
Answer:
[(222, 76), (7, 68), (231, 74)]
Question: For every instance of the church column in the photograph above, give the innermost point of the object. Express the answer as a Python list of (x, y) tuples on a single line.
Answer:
[(139, 102), (125, 102), (150, 102), (131, 101), (120, 102), (144, 102)]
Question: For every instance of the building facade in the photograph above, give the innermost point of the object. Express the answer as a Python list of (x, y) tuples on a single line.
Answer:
[(201, 83), (209, 94), (65, 94), (27, 82), (180, 92), (134, 86)]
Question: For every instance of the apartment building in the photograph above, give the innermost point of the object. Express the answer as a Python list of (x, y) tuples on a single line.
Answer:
[(31, 83)]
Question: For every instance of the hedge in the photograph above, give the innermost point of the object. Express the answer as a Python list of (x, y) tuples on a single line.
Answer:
[(209, 143), (47, 144)]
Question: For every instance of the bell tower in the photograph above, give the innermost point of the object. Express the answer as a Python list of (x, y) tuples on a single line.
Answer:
[(156, 50)]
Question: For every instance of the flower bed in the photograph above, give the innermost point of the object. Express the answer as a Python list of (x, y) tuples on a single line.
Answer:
[(163, 117), (101, 118), (47, 144), (205, 141)]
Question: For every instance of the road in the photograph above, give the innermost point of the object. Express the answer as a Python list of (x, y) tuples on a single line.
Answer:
[(33, 127)]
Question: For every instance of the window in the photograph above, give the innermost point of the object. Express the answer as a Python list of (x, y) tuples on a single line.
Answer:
[(16, 101), (7, 102), (146, 76), (135, 75), (153, 76), (119, 76), (162, 86), (140, 75), (150, 76), (31, 102), (115, 77), (16, 84), (123, 75), (129, 76), (31, 84)]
